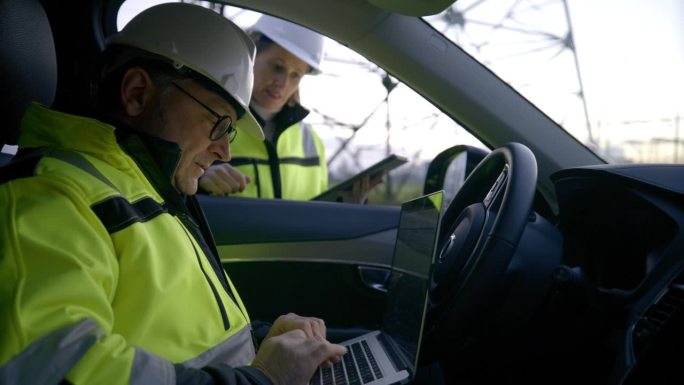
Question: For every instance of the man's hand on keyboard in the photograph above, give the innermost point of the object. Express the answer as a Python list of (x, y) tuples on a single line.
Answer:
[(292, 357), (311, 326)]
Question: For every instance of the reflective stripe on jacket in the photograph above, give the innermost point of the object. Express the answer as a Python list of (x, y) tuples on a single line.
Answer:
[(294, 167), (91, 251)]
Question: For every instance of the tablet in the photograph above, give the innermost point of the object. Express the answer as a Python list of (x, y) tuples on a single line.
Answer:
[(387, 164)]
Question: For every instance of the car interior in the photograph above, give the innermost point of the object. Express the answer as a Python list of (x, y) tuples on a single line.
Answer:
[(552, 267)]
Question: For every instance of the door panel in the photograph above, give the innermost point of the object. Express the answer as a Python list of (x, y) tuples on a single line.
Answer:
[(333, 292), (312, 258)]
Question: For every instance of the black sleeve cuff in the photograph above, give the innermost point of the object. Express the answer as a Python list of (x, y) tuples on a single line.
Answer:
[(220, 374)]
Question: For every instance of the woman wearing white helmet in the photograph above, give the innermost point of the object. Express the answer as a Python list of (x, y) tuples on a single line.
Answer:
[(110, 272), (290, 163)]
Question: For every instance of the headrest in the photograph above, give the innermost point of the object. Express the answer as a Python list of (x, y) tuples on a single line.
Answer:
[(28, 64)]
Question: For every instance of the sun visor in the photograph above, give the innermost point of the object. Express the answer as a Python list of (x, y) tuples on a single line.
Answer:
[(413, 7)]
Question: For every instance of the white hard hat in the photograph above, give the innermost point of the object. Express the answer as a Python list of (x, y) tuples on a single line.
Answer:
[(302, 42), (199, 39)]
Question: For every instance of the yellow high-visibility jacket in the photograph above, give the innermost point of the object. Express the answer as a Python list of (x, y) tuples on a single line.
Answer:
[(293, 166), (108, 275)]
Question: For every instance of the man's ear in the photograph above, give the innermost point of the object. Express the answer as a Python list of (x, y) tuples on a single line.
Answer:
[(136, 91)]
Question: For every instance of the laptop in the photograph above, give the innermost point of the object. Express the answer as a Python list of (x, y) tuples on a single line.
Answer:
[(390, 355)]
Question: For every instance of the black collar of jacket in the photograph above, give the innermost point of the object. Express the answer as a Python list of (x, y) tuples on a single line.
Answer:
[(285, 118), (158, 160)]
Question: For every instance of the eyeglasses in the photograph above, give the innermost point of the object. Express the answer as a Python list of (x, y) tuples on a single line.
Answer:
[(224, 123)]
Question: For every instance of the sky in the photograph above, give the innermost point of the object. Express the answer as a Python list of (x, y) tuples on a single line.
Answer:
[(635, 74), (634, 68), (629, 57)]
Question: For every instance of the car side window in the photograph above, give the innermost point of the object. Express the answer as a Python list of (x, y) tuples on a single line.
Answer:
[(363, 114)]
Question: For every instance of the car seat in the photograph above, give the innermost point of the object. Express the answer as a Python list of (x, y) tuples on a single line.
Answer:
[(28, 64)]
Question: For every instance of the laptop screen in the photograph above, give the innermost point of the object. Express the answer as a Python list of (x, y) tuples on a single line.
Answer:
[(408, 284)]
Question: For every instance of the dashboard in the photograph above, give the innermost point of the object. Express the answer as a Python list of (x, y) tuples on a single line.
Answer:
[(623, 241)]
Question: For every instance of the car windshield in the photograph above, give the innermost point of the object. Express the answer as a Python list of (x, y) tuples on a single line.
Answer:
[(611, 72)]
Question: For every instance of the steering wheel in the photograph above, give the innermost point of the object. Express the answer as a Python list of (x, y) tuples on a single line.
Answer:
[(479, 233)]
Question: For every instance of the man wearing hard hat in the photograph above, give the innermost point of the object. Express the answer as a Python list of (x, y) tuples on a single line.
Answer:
[(110, 274), (290, 163)]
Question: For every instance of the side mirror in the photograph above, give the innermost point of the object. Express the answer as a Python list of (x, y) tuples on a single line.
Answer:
[(450, 168)]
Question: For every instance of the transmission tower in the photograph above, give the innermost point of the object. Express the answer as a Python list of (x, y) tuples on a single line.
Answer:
[(530, 33)]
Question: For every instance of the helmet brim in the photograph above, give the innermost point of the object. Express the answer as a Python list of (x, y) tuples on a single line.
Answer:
[(250, 125)]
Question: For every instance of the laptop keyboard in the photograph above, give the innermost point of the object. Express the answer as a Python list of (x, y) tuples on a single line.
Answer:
[(357, 367)]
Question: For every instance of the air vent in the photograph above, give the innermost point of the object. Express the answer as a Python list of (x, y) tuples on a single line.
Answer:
[(659, 340), (658, 316)]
